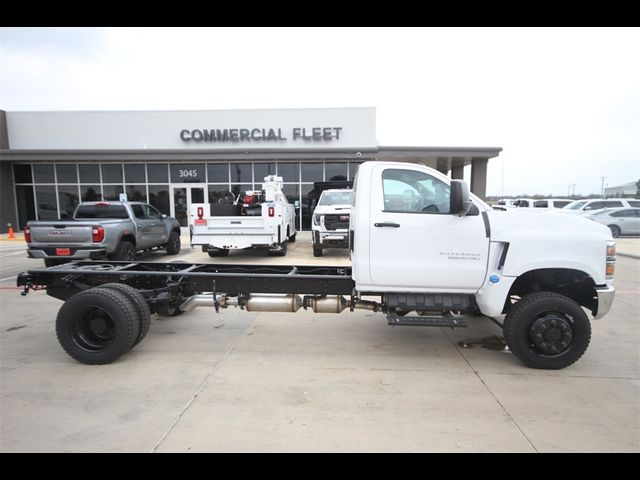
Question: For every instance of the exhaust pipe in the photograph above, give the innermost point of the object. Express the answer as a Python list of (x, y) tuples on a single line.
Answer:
[(253, 303), (266, 302)]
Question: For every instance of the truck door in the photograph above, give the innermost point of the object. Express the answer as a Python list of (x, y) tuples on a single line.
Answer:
[(415, 243), (144, 226)]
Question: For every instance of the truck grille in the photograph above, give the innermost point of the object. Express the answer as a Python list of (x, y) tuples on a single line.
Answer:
[(336, 222)]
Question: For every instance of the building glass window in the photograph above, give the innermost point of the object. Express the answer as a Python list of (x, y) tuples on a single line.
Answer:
[(311, 172), (68, 200), (22, 173), (187, 173), (111, 173), (46, 203), (26, 207), (89, 173), (43, 174), (158, 173), (134, 173), (241, 188), (261, 170), (335, 171), (290, 172), (90, 193), (136, 193), (112, 192), (352, 169), (218, 172), (241, 173), (218, 193), (66, 173), (159, 198)]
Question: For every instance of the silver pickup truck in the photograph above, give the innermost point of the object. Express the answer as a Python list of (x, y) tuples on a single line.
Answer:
[(116, 230)]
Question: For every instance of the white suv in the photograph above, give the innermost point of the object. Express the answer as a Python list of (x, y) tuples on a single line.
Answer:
[(584, 206), (330, 220)]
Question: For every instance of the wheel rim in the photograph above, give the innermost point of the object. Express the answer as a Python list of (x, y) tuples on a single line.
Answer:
[(551, 334), (129, 254), (94, 330)]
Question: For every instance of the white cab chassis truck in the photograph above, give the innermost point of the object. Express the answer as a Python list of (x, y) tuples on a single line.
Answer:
[(258, 219), (424, 253)]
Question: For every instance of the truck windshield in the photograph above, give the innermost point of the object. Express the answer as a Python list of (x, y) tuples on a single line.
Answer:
[(336, 198), (101, 211), (574, 205)]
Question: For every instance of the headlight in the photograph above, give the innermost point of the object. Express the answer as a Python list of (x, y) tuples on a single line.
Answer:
[(316, 220)]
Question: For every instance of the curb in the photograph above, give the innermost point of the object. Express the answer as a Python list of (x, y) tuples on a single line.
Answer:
[(630, 255)]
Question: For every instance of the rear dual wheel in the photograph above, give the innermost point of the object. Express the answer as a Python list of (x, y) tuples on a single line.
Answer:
[(98, 325)]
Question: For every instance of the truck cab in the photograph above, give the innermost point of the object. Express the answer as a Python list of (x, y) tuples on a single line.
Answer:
[(330, 221)]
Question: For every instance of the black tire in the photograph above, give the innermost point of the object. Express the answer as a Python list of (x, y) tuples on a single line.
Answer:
[(615, 231), (281, 252), (173, 245), (96, 326), (124, 252), (139, 303), (292, 238), (52, 262), (317, 252), (219, 252), (547, 330)]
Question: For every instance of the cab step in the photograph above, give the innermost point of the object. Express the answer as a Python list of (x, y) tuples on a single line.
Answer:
[(406, 321)]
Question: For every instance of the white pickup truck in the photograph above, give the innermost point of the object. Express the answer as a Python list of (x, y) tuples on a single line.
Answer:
[(330, 220), (257, 219), (419, 242)]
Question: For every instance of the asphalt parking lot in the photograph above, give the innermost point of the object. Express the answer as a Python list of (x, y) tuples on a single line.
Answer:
[(262, 382)]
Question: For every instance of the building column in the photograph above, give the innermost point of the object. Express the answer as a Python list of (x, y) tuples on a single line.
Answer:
[(479, 177), (7, 201), (457, 172)]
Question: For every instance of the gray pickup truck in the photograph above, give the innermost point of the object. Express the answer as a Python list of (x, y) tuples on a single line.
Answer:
[(116, 230)]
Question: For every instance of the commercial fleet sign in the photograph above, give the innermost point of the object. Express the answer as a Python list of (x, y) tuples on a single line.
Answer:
[(261, 134), (192, 130)]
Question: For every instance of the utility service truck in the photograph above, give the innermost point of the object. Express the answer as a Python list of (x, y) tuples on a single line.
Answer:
[(255, 219), (424, 252)]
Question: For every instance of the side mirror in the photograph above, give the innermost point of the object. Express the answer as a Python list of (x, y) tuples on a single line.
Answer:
[(459, 202)]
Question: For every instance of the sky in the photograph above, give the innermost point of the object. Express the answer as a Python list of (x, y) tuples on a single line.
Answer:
[(563, 103)]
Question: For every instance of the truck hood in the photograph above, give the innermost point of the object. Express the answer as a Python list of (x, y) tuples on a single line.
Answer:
[(539, 240), (333, 209), (550, 224)]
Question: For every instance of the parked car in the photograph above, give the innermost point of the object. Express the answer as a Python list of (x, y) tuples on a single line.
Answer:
[(582, 206), (116, 230), (551, 203), (621, 220)]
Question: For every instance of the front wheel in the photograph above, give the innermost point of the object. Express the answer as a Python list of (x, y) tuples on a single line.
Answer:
[(615, 231), (547, 330), (317, 252), (173, 245)]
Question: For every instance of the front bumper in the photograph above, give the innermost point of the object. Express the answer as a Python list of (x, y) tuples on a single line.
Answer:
[(331, 239), (77, 253), (606, 295)]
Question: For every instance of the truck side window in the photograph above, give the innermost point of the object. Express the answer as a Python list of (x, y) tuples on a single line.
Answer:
[(138, 211), (411, 191), (152, 212)]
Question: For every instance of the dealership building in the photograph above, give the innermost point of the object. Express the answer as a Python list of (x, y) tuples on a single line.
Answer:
[(49, 161)]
